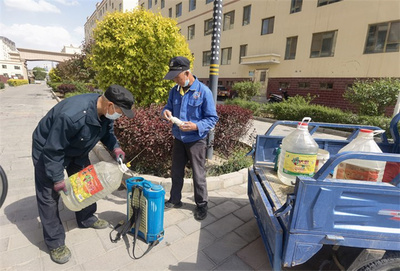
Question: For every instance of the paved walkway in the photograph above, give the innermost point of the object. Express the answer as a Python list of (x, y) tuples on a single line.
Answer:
[(228, 239)]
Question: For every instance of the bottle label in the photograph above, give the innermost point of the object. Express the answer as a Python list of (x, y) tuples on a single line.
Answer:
[(299, 164), (352, 172), (85, 183)]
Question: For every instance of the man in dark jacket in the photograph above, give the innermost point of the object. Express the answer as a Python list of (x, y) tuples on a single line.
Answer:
[(63, 140)]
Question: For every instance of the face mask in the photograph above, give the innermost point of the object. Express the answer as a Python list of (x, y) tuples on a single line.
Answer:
[(186, 83), (114, 116)]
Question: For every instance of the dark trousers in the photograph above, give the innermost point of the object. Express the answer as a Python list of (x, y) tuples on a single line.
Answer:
[(195, 152), (47, 200)]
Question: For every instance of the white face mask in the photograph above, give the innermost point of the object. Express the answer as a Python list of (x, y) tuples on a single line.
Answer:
[(186, 83), (114, 116)]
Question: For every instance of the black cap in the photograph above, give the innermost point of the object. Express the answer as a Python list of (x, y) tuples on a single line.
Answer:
[(176, 66), (122, 98)]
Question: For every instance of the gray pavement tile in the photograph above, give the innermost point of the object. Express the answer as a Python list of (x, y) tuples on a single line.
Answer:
[(249, 231), (195, 262), (113, 260), (223, 209), (191, 244), (88, 250), (255, 255), (190, 225), (172, 234), (19, 256), (4, 244), (224, 225), (25, 239), (245, 213), (224, 247), (233, 263)]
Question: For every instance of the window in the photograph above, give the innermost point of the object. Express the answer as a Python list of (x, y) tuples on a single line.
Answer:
[(191, 32), (263, 76), (17, 67), (4, 66), (267, 26), (246, 15), (206, 58), (162, 3), (170, 12), (150, 3), (208, 27), (295, 6), (304, 85), (226, 56), (155, 2), (229, 19), (284, 85), (192, 5), (178, 11), (323, 44), (326, 85), (384, 37), (326, 2), (120, 6), (243, 52), (291, 44), (209, 1)]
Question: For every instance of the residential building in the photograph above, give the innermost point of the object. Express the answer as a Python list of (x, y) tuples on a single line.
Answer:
[(71, 50), (10, 67), (104, 7), (304, 46)]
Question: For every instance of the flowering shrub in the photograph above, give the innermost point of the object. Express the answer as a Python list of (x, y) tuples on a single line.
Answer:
[(147, 138)]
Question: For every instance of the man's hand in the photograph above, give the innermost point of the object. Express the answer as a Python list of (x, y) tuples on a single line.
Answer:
[(60, 186), (167, 114), (119, 153), (187, 126)]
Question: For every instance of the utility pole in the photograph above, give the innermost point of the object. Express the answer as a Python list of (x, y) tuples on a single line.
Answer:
[(214, 65)]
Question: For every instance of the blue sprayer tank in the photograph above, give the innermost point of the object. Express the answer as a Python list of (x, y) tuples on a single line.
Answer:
[(152, 204)]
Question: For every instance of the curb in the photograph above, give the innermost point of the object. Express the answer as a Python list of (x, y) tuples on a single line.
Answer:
[(213, 182)]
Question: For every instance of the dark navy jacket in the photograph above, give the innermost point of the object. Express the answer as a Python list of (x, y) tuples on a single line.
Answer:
[(68, 132)]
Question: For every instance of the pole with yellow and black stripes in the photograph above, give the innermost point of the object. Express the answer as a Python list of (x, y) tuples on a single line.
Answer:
[(214, 64)]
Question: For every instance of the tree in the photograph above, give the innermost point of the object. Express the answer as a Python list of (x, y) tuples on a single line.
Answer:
[(39, 73), (373, 96), (133, 49), (247, 89)]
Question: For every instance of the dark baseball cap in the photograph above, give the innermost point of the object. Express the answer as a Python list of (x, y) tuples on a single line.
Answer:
[(176, 66), (121, 97)]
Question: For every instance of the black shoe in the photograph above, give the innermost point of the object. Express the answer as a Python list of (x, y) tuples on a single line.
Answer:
[(200, 213), (169, 204)]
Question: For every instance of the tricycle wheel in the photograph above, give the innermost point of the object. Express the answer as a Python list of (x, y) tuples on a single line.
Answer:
[(389, 262)]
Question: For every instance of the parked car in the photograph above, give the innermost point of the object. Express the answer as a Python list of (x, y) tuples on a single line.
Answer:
[(224, 92)]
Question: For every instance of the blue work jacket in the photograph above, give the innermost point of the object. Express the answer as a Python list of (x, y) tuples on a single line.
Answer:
[(68, 132), (197, 106)]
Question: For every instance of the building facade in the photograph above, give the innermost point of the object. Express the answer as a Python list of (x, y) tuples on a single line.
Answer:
[(304, 46), (104, 7), (10, 67)]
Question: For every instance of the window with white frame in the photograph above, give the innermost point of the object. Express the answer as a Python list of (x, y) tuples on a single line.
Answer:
[(246, 15), (206, 58), (208, 27), (295, 6), (383, 37), (226, 56), (323, 44), (229, 20), (191, 32), (267, 26)]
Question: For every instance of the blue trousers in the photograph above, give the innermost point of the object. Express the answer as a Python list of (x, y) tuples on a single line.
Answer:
[(47, 201)]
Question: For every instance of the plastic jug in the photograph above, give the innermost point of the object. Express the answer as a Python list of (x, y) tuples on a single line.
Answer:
[(298, 154), (91, 184), (366, 170)]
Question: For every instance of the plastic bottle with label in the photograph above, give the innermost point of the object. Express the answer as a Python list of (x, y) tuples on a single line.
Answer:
[(298, 154), (355, 169), (91, 184)]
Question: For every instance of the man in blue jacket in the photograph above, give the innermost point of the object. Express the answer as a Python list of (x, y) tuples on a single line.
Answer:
[(191, 102), (63, 140)]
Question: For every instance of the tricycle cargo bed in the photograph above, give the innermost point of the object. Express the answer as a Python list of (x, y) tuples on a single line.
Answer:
[(296, 221)]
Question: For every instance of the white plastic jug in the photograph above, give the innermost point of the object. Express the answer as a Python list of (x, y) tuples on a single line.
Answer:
[(91, 184), (298, 154), (366, 170)]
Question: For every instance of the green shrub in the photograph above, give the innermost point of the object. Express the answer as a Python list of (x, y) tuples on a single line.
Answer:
[(373, 96), (2, 85), (237, 161), (17, 82), (247, 89)]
